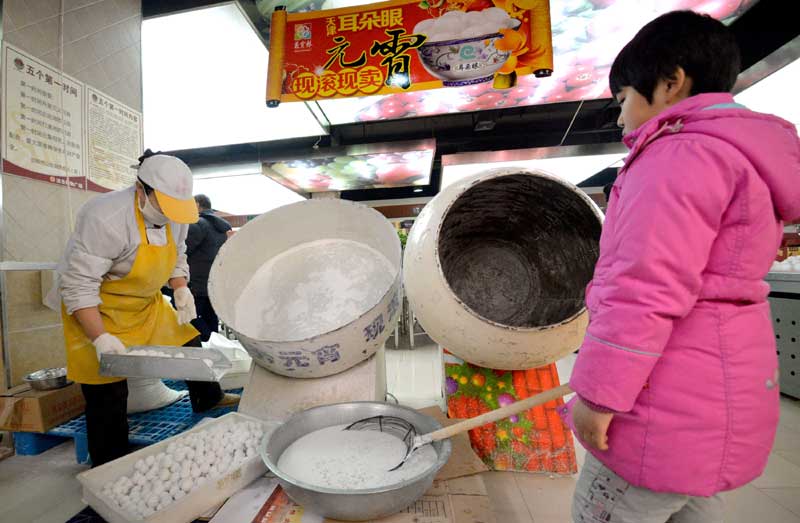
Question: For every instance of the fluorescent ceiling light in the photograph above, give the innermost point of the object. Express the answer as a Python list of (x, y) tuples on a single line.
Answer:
[(204, 78), (249, 194), (573, 169), (776, 94)]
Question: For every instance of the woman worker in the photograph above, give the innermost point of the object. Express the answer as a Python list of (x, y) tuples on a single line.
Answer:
[(126, 245)]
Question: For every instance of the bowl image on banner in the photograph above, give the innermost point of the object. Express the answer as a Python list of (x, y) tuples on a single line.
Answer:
[(461, 47)]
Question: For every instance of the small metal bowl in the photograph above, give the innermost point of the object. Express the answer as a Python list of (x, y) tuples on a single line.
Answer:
[(48, 379)]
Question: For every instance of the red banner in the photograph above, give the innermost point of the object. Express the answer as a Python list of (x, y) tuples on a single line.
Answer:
[(406, 45)]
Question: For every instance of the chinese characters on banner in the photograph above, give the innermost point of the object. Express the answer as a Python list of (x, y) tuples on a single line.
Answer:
[(61, 131), (114, 141), (406, 45), (43, 112)]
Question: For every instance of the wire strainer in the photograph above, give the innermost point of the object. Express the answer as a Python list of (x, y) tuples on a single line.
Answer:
[(407, 433)]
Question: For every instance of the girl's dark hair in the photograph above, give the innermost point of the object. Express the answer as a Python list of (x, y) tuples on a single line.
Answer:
[(704, 47)]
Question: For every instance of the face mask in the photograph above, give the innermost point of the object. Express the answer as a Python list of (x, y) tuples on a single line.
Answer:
[(151, 214)]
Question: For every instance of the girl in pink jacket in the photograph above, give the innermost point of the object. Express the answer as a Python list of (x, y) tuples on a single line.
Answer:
[(676, 380)]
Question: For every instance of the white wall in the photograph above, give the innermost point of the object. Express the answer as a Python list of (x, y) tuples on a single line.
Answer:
[(205, 76)]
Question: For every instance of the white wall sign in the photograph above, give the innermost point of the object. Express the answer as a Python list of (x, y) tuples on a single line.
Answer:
[(57, 129), (43, 121), (114, 141)]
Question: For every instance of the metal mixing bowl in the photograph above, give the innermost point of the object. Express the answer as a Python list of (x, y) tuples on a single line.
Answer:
[(496, 266), (48, 379), (349, 505), (283, 229)]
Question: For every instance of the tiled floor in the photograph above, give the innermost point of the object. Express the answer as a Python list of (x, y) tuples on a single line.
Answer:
[(42, 489), (529, 498)]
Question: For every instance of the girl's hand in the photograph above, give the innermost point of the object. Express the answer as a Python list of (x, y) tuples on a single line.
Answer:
[(591, 426)]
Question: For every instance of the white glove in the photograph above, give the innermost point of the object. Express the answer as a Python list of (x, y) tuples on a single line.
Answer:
[(184, 302), (109, 344)]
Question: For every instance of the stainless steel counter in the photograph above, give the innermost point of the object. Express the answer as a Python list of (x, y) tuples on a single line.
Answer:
[(784, 300), (784, 281)]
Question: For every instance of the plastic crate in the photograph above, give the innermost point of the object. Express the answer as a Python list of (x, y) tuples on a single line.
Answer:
[(33, 443), (144, 428)]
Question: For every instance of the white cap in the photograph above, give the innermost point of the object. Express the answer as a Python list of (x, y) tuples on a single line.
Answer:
[(172, 181)]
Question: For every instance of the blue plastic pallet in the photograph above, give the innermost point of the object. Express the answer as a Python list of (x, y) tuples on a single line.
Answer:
[(144, 428)]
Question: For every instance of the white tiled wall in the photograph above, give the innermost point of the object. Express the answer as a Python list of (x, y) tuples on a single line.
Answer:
[(102, 42), (101, 47)]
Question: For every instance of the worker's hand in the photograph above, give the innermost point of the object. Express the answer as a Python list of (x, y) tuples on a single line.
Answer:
[(591, 426), (109, 344), (184, 302)]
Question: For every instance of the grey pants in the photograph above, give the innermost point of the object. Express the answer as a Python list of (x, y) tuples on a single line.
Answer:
[(603, 497)]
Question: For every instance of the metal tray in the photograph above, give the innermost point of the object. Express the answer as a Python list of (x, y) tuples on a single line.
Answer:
[(190, 367)]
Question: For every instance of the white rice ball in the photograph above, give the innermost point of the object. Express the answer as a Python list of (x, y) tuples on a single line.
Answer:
[(186, 484), (139, 479)]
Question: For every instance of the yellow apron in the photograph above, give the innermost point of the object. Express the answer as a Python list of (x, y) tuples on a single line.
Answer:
[(133, 309)]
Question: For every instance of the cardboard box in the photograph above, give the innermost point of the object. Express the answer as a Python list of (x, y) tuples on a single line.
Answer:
[(463, 459), (23, 409), (461, 500)]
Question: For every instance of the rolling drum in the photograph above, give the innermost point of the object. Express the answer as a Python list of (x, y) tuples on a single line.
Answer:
[(328, 307), (497, 264)]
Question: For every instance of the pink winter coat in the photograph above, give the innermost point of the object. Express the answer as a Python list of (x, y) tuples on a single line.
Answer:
[(680, 340)]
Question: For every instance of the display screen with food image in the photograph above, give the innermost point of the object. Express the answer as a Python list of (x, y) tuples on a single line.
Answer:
[(353, 172)]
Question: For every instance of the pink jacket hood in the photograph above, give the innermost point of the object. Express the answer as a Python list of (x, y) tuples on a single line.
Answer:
[(775, 154)]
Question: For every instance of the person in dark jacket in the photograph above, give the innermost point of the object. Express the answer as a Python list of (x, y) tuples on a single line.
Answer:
[(202, 244)]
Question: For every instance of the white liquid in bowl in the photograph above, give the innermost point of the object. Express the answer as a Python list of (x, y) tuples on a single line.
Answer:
[(353, 459), (312, 289)]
